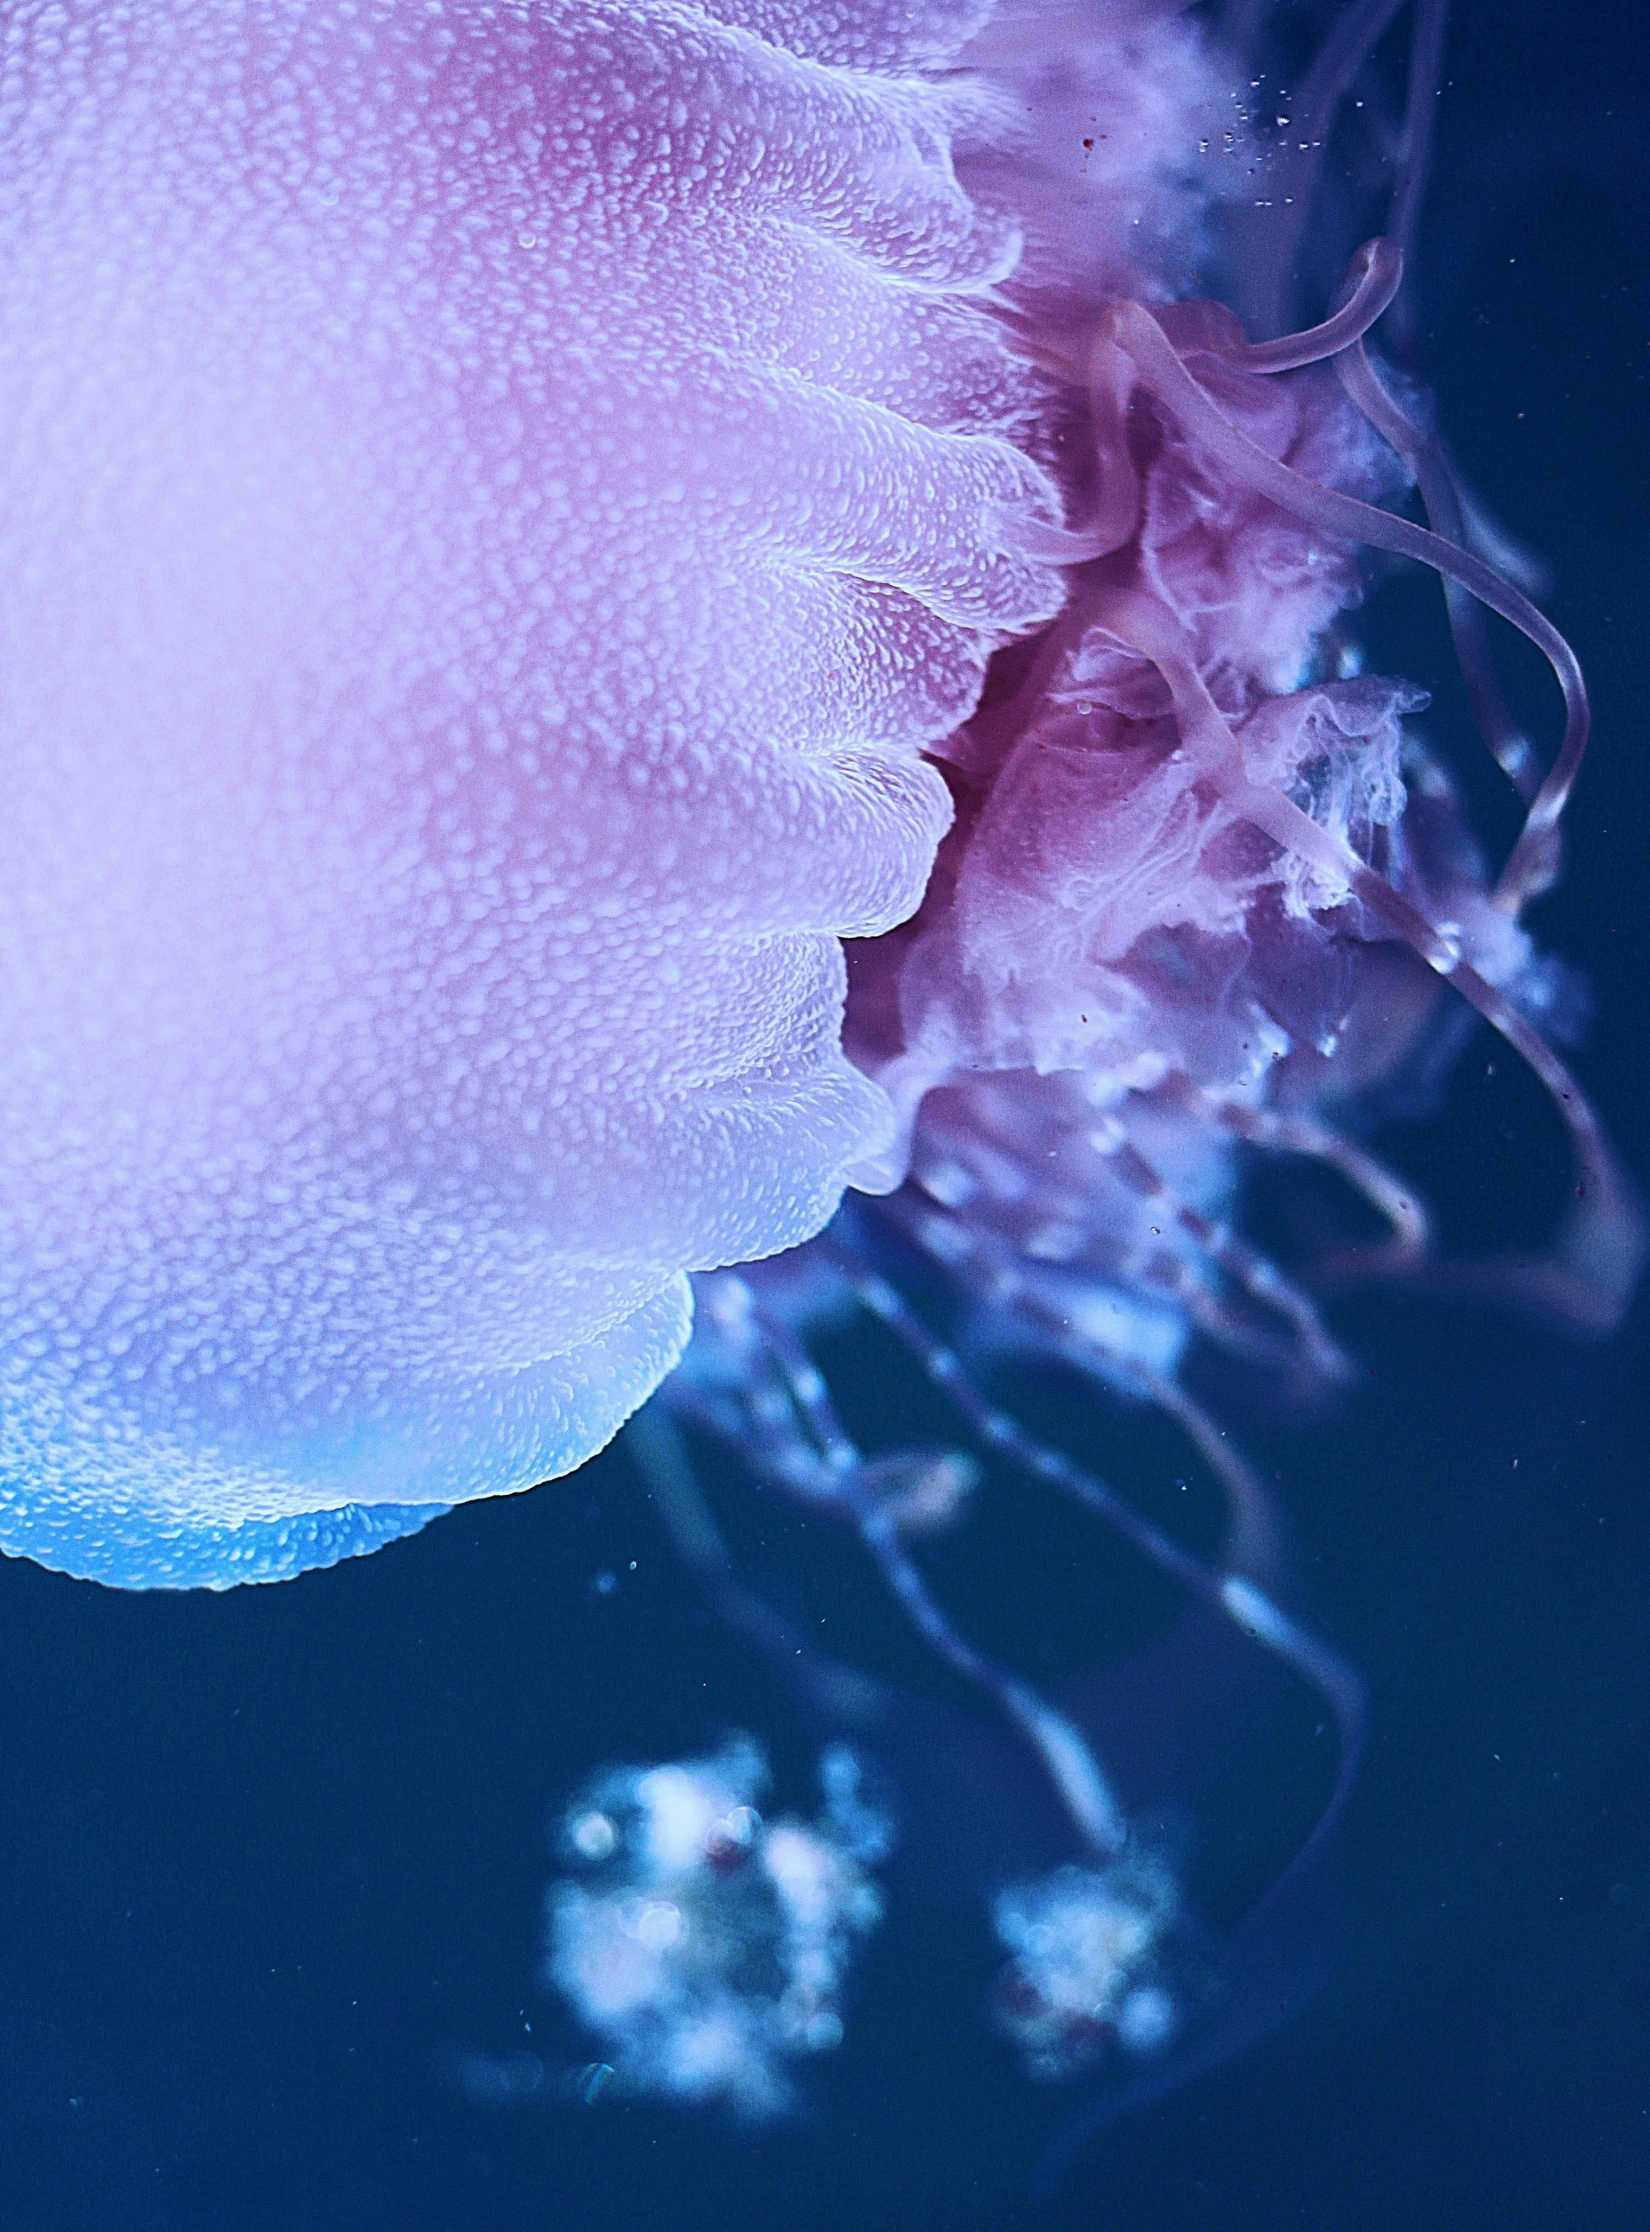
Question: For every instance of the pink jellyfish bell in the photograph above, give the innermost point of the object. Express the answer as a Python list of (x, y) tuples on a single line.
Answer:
[(497, 500)]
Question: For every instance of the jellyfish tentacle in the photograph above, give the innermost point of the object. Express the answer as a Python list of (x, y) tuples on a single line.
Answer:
[(1373, 279), (1370, 1178), (1503, 734), (1109, 379), (843, 1484), (1072, 1767), (1164, 1271), (1426, 63), (1016, 1283), (1374, 276), (1253, 1548), (1231, 1593), (656, 1446), (1012, 1285), (1353, 38), (1591, 1272), (1162, 372), (1253, 1273)]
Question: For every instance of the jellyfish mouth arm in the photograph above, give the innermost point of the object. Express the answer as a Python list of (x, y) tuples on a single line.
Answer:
[(1594, 1265)]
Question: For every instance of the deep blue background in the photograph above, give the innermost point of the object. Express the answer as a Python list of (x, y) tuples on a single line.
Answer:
[(264, 1857)]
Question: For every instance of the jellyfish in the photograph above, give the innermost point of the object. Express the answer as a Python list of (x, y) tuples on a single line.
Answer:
[(529, 524)]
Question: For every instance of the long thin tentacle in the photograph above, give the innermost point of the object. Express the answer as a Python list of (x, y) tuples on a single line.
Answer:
[(1357, 31), (1426, 69), (657, 1448), (1404, 1249), (1217, 1247), (842, 1485), (1232, 1594), (1129, 327), (1252, 1273), (1372, 281), (1374, 277), (1504, 735)]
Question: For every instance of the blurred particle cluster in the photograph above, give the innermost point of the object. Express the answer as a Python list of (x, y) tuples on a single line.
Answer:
[(705, 1946), (1083, 1977)]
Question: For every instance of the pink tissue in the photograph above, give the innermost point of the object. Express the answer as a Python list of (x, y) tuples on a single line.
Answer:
[(495, 499)]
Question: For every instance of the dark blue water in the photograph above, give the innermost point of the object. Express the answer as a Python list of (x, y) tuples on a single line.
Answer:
[(268, 1859)]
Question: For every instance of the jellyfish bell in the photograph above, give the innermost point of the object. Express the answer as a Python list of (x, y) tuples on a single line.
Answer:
[(482, 569)]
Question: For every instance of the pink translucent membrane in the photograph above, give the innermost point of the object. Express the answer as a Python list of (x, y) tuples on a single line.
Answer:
[(494, 499), (1205, 886), (1104, 907)]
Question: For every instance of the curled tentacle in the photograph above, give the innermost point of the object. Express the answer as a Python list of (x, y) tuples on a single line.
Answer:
[(1128, 327)]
